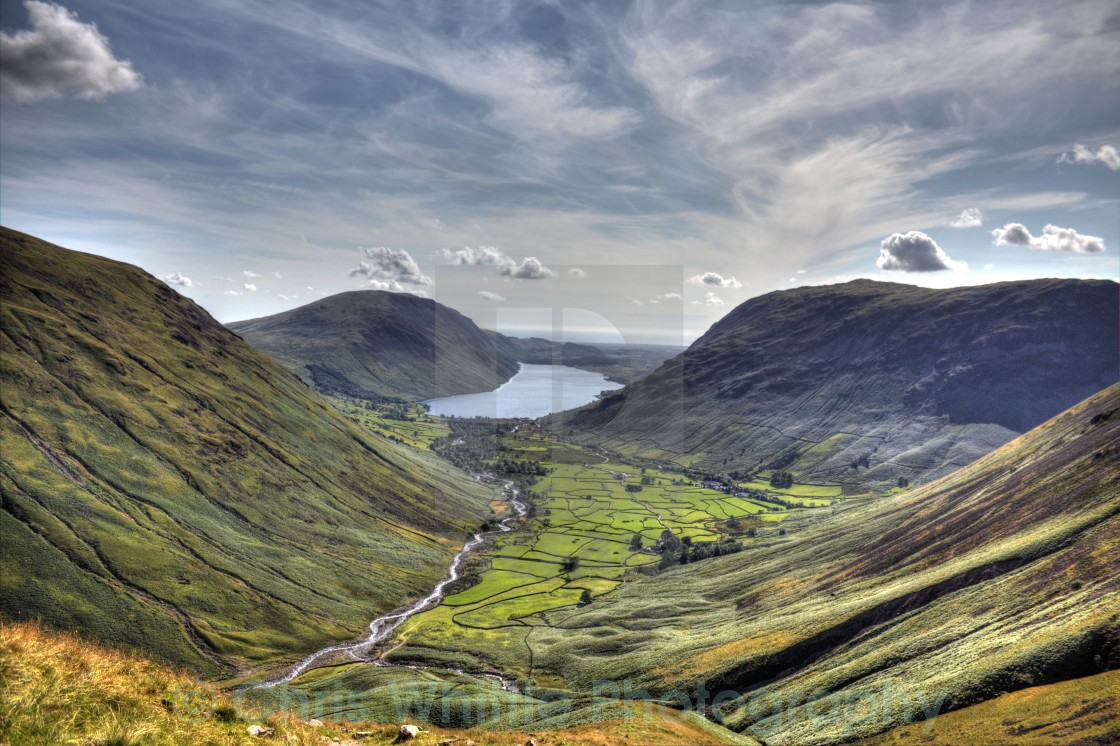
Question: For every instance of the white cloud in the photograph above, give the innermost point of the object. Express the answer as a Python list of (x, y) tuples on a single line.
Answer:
[(178, 278), (390, 266), (1105, 154), (249, 274), (488, 295), (231, 292), (277, 275), (529, 268), (914, 252), (671, 296), (713, 300), (577, 272), (528, 94), (249, 288), (714, 279), (60, 55), (1053, 238), (970, 217)]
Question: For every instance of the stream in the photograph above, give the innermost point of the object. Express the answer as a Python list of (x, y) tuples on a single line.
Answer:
[(381, 628)]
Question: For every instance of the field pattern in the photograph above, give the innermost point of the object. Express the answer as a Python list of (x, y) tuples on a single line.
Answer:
[(596, 521)]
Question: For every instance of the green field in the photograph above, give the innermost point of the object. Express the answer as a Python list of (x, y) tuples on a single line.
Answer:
[(586, 514)]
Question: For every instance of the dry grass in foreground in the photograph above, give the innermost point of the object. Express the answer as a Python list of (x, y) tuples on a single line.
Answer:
[(58, 689)]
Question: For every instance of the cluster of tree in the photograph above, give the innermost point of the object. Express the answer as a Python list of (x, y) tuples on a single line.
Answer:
[(707, 550), (864, 461), (903, 482), (783, 461), (527, 467), (402, 412), (781, 480), (634, 487), (677, 551), (471, 442)]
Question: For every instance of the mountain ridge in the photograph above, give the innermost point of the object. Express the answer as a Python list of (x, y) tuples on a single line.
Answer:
[(901, 381)]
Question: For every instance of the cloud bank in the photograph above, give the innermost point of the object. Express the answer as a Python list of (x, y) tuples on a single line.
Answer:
[(714, 279), (970, 217), (388, 267), (914, 252), (1107, 155), (529, 268), (60, 55), (178, 278), (1053, 238)]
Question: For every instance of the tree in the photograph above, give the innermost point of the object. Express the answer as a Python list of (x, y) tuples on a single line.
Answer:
[(585, 597), (636, 542), (903, 482), (570, 564)]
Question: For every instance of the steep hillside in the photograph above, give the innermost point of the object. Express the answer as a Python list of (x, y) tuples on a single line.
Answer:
[(868, 382), (166, 486), (999, 577)]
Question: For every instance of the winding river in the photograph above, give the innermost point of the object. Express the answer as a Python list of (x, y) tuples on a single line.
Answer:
[(381, 628)]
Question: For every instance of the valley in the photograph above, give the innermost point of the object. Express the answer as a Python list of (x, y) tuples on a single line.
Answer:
[(174, 493)]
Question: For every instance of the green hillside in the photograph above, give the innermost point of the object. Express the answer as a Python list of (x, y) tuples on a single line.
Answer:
[(998, 577), (868, 382), (167, 487)]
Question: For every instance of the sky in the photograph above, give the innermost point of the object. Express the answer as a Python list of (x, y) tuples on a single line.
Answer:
[(645, 165)]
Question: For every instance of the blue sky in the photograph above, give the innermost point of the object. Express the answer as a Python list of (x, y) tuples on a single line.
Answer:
[(496, 154)]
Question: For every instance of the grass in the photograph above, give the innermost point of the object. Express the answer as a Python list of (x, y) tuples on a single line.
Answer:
[(168, 487), (1084, 710), (58, 688), (583, 512)]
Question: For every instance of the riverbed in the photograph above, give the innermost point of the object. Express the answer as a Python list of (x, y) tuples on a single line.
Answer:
[(382, 628)]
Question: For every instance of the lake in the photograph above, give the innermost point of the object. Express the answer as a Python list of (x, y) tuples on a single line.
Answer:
[(536, 390)]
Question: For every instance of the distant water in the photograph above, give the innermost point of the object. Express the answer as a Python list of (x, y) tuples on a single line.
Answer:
[(535, 391)]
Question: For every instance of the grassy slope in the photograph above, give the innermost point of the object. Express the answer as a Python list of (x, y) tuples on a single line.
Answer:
[(56, 688), (997, 577), (919, 382), (167, 487), (1082, 711)]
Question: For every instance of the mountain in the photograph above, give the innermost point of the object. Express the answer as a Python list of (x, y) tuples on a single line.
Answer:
[(868, 382), (999, 577), (165, 486), (373, 343)]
